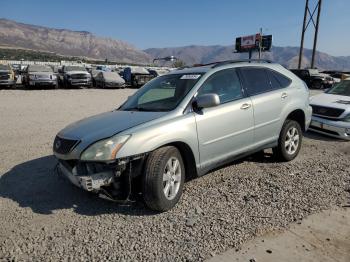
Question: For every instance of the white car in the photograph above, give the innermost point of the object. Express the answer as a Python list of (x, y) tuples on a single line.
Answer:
[(331, 111)]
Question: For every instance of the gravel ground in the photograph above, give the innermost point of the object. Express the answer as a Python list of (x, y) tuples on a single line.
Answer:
[(44, 218)]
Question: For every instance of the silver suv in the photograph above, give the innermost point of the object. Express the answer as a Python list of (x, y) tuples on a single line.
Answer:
[(182, 125)]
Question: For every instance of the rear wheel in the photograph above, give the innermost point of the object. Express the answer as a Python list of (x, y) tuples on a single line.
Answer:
[(164, 179), (289, 142)]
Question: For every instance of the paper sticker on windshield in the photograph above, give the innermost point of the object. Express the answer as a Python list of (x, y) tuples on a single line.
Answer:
[(190, 77)]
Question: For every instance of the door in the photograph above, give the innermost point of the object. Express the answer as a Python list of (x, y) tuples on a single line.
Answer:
[(227, 129), (268, 96)]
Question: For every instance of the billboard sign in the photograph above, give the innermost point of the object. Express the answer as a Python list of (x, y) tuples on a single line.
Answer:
[(251, 43)]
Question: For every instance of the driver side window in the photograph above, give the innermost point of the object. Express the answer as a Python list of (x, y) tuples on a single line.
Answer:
[(225, 84)]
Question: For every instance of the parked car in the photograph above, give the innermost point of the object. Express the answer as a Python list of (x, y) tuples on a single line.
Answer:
[(314, 79), (184, 124), (7, 76), (337, 75), (75, 76), (331, 111), (158, 72), (94, 73), (109, 79), (16, 69), (39, 75), (136, 76)]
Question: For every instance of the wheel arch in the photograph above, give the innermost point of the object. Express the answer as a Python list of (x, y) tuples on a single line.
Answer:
[(187, 157), (298, 115)]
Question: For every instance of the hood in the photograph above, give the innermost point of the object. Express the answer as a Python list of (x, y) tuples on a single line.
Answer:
[(329, 100), (41, 73), (77, 72), (114, 79), (106, 125)]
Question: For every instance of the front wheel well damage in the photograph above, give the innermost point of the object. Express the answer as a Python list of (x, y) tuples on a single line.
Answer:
[(132, 168)]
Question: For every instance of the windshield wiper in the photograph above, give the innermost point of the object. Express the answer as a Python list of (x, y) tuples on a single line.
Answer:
[(136, 108)]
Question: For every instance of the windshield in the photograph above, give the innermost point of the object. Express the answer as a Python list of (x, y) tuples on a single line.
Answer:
[(39, 68), (74, 68), (162, 94), (342, 88), (4, 67)]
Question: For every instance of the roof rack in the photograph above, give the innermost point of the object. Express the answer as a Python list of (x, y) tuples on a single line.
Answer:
[(220, 63), (226, 62)]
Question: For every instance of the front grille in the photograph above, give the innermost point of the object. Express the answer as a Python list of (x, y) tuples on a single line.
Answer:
[(79, 76), (64, 146), (326, 111), (4, 76), (42, 76)]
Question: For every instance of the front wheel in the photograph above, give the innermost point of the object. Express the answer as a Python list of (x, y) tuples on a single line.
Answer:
[(289, 142), (163, 179)]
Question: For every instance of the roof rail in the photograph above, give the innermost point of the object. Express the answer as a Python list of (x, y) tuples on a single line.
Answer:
[(220, 63)]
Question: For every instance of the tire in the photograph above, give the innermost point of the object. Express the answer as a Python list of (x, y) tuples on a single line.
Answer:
[(287, 151), (161, 186)]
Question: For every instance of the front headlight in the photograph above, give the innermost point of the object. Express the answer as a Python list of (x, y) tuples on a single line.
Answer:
[(31, 77), (104, 150)]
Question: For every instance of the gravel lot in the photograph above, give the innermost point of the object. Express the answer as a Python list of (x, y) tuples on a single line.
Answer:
[(44, 218)]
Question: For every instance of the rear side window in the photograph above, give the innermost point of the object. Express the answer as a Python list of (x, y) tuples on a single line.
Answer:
[(278, 80), (255, 80)]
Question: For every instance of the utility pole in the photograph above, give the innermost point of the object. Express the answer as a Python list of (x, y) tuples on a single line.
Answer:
[(303, 34), (316, 33), (307, 14), (260, 42)]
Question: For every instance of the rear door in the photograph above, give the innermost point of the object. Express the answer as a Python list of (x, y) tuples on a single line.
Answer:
[(227, 129), (268, 97)]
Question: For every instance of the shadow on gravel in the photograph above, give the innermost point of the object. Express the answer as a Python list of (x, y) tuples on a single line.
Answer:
[(34, 184)]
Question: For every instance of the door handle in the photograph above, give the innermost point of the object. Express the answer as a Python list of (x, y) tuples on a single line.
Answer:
[(245, 106), (284, 95)]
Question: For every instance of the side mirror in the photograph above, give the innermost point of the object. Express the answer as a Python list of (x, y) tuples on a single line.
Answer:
[(207, 100)]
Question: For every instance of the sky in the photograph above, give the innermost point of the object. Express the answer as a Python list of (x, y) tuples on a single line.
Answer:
[(165, 23)]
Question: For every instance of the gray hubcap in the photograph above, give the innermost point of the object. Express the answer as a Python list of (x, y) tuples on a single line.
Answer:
[(292, 141), (171, 178)]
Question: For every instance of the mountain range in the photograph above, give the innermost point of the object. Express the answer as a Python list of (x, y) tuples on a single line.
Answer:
[(68, 43), (287, 56), (87, 45)]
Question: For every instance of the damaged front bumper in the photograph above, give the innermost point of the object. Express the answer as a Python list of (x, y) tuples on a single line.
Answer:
[(92, 183), (113, 181)]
